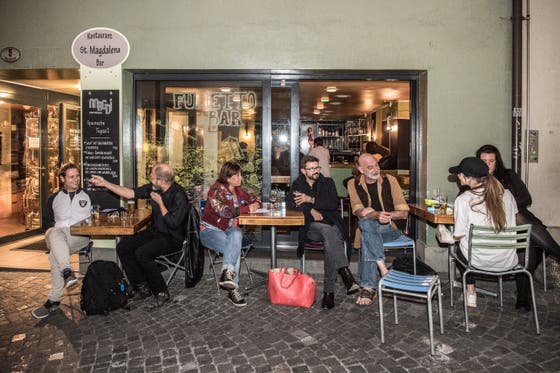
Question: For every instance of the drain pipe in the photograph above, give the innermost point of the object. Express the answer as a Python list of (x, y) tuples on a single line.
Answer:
[(516, 92), (527, 89)]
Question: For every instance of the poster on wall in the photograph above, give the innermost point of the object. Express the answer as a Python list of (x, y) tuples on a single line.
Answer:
[(100, 142)]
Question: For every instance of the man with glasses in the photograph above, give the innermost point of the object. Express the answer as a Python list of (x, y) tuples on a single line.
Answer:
[(67, 206), (377, 201), (316, 196)]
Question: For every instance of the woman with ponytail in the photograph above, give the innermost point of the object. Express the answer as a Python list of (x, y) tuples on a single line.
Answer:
[(485, 203), (540, 237)]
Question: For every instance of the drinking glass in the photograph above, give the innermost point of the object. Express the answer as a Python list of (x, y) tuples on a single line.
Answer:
[(442, 203), (95, 210), (273, 198)]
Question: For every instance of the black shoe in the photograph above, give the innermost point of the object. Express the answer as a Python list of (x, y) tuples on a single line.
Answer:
[(523, 305), (162, 298), (328, 301), (139, 292), (45, 310), (236, 298), (226, 280), (70, 279), (349, 281)]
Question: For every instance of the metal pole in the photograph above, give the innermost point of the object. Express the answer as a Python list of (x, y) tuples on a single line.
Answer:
[(516, 82)]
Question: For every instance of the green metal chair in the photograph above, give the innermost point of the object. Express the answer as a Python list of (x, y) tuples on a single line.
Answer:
[(485, 238)]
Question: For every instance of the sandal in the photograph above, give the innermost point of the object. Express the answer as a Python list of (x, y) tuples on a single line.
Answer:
[(366, 297)]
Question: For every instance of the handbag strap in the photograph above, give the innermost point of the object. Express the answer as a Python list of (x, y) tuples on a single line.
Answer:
[(297, 273)]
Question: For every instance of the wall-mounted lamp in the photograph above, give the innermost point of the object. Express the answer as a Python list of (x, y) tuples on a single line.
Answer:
[(325, 98)]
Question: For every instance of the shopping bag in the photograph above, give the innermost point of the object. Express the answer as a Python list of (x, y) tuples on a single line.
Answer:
[(444, 235), (290, 287)]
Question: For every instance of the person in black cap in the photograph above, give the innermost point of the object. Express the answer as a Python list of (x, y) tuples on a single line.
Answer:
[(540, 237), (485, 203)]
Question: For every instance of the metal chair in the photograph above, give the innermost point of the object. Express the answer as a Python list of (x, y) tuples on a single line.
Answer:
[(86, 253), (417, 286), (512, 238), (215, 258), (172, 262), (402, 243)]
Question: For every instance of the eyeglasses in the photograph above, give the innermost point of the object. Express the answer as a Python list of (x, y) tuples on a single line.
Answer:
[(318, 168)]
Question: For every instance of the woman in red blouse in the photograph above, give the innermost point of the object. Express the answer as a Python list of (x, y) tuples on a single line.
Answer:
[(219, 227)]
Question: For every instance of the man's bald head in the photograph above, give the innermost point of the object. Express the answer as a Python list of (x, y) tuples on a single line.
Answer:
[(368, 166), (164, 172)]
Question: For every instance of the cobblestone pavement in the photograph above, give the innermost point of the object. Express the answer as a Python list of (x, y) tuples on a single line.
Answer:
[(201, 331)]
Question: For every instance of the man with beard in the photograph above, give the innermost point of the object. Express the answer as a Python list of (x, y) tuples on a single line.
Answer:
[(377, 201), (165, 235), (316, 196)]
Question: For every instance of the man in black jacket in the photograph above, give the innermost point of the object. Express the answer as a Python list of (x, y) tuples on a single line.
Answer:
[(316, 196), (166, 234)]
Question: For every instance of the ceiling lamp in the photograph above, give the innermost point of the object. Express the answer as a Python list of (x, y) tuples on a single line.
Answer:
[(316, 111), (320, 105), (331, 89), (325, 98)]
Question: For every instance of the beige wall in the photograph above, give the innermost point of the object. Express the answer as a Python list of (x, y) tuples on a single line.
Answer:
[(463, 45), (544, 116)]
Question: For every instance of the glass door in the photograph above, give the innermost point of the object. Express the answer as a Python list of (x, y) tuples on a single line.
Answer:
[(20, 182)]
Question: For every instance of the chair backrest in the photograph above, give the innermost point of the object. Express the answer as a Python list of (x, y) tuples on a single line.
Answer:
[(484, 237)]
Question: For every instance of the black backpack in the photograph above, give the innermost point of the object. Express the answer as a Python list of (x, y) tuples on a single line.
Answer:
[(104, 288), (404, 263)]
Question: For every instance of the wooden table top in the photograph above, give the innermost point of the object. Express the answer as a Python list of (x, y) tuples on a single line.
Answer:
[(104, 227), (421, 211), (290, 217)]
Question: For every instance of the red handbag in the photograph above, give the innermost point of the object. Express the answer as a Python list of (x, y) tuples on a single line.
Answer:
[(290, 287)]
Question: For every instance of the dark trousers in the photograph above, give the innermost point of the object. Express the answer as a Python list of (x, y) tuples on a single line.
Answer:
[(335, 255), (138, 253), (521, 280), (540, 240)]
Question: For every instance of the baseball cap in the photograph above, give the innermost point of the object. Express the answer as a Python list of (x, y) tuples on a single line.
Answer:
[(470, 166)]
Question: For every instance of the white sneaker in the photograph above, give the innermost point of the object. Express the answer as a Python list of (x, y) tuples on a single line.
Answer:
[(471, 300)]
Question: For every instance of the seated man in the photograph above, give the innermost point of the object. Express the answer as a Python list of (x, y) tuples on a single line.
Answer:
[(67, 206), (315, 195), (376, 201), (165, 235)]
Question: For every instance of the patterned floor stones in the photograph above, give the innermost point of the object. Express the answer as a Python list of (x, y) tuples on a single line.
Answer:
[(201, 331)]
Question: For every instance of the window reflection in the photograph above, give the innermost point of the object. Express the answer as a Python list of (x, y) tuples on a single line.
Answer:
[(201, 128)]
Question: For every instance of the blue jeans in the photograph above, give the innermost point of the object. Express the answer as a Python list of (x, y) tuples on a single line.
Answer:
[(372, 237), (228, 243)]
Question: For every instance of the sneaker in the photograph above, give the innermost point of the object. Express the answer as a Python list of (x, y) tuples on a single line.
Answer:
[(45, 310), (471, 300), (69, 279), (226, 281), (236, 298)]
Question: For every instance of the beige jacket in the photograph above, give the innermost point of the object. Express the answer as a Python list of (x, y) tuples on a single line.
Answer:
[(399, 202)]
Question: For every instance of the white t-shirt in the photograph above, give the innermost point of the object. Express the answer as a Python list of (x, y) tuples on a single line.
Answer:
[(490, 260), (324, 157)]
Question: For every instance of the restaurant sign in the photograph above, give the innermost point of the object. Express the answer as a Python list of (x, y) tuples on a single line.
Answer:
[(100, 48), (226, 108), (100, 142)]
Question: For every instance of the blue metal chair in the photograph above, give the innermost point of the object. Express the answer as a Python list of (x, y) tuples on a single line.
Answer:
[(424, 287), (403, 243)]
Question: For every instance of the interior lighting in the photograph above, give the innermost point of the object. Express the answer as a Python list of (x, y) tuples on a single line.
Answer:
[(4, 94), (316, 111), (331, 89), (342, 96), (320, 105), (236, 98), (325, 98), (225, 89)]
